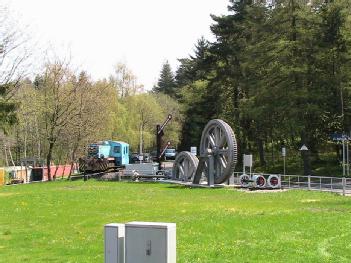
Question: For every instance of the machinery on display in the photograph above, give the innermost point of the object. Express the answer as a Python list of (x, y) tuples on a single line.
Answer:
[(218, 156), (159, 134), (256, 180), (104, 155), (260, 181), (215, 165)]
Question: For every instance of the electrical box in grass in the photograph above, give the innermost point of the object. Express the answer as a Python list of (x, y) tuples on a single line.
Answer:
[(150, 242), (114, 243)]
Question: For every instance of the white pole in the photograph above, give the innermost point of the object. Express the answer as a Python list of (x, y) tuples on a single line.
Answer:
[(343, 157), (347, 158), (141, 143), (7, 161), (243, 164), (284, 164), (13, 164)]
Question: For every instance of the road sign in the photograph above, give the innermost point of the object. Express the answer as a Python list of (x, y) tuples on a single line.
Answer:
[(340, 137), (248, 160), (193, 150)]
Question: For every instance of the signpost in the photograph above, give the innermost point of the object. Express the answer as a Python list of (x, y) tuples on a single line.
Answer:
[(284, 155), (247, 162), (345, 151)]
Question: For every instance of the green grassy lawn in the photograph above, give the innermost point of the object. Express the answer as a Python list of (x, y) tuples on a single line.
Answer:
[(63, 222)]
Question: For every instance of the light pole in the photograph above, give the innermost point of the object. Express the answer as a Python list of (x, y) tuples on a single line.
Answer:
[(304, 151), (345, 156), (284, 155)]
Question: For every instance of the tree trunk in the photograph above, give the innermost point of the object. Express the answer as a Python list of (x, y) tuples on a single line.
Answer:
[(37, 137), (305, 156), (25, 142), (272, 148), (48, 159), (56, 168), (337, 151), (73, 157), (261, 152)]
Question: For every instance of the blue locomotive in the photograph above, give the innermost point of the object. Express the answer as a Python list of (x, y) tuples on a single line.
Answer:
[(104, 155)]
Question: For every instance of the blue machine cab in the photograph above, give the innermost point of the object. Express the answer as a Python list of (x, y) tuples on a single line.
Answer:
[(116, 152)]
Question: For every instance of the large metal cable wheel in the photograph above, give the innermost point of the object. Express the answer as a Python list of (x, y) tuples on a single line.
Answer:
[(219, 140), (184, 166)]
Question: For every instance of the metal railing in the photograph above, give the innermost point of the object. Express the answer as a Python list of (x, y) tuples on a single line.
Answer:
[(313, 183)]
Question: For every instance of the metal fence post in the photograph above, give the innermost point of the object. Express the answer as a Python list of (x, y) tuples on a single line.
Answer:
[(231, 180), (289, 181), (280, 180), (320, 183), (343, 186), (309, 182)]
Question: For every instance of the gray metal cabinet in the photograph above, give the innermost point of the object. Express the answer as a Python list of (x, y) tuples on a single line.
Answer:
[(114, 243), (150, 242)]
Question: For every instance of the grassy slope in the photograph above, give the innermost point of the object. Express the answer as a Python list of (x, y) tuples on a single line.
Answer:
[(63, 222)]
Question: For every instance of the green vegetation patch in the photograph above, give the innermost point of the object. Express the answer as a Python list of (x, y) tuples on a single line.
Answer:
[(63, 222)]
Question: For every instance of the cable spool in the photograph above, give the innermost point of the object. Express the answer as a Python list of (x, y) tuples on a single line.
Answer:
[(259, 181), (244, 180), (273, 181)]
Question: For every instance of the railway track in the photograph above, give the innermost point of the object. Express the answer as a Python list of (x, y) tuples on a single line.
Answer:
[(87, 175)]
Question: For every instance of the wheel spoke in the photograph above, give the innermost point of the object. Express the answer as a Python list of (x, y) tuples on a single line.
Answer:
[(211, 140), (223, 161), (217, 135), (223, 152), (222, 141), (186, 169), (192, 170), (181, 171)]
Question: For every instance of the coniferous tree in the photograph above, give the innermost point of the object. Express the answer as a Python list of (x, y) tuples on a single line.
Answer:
[(192, 80), (166, 83)]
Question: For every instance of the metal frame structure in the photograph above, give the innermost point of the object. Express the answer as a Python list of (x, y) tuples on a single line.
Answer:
[(159, 134)]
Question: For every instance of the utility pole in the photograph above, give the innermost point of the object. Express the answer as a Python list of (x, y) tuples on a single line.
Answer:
[(141, 144)]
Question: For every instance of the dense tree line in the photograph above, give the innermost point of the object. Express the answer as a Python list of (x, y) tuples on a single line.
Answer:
[(280, 75)]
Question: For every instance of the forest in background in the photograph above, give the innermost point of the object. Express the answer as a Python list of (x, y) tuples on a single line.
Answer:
[(279, 75)]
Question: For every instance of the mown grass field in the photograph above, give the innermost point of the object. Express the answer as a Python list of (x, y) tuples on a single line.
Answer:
[(63, 222)]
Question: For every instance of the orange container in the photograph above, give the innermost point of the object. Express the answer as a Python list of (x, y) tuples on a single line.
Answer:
[(22, 175), (2, 176)]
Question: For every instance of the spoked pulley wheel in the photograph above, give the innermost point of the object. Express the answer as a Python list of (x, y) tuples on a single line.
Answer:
[(184, 166), (218, 139)]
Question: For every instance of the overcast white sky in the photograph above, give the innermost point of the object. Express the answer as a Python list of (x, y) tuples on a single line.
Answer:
[(100, 33)]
